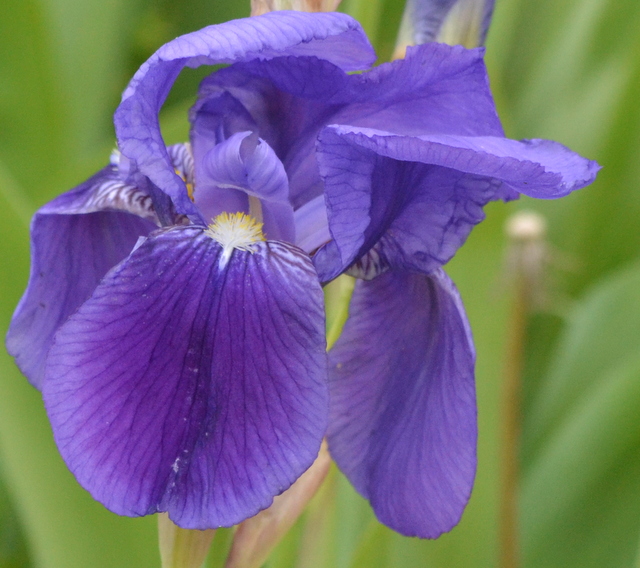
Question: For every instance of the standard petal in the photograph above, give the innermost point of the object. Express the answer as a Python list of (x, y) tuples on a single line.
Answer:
[(287, 100), (331, 36), (403, 411), (539, 168), (394, 213), (183, 387), (413, 200), (75, 240), (284, 101)]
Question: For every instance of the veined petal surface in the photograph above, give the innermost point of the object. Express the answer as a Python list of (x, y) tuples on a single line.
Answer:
[(403, 410), (288, 100), (440, 184), (75, 240), (331, 36), (192, 388)]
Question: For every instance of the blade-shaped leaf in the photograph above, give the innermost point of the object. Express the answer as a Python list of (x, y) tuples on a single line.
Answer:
[(581, 490)]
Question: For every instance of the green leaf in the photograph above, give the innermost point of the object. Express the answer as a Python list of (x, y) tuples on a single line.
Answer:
[(373, 550), (89, 60), (570, 70), (581, 490), (601, 331), (65, 528), (60, 84), (31, 108), (380, 20), (13, 551)]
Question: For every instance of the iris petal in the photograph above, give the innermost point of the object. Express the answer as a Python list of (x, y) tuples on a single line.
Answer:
[(440, 184), (75, 240), (332, 36), (287, 100), (403, 413), (190, 388)]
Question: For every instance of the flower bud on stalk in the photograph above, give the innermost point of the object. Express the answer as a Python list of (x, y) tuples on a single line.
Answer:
[(257, 536), (259, 7), (463, 22), (526, 258), (182, 548), (527, 255)]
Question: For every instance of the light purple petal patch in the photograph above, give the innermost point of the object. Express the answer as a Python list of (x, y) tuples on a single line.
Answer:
[(334, 37), (403, 409), (415, 199), (75, 240), (183, 387)]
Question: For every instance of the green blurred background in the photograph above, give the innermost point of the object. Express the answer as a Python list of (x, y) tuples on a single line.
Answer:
[(562, 69)]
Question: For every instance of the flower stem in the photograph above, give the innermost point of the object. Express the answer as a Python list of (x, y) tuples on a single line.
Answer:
[(182, 548), (337, 295), (511, 427), (525, 266)]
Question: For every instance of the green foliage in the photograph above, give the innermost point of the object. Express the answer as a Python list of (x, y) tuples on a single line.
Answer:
[(582, 442), (563, 69)]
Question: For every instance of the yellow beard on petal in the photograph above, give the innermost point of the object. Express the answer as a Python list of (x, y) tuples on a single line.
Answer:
[(235, 231)]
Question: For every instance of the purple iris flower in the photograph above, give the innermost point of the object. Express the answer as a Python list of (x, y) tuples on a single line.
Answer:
[(174, 314)]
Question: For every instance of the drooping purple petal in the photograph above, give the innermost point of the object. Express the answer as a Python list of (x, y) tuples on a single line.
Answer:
[(403, 412), (245, 165), (439, 185), (75, 240), (190, 388), (334, 37), (287, 100)]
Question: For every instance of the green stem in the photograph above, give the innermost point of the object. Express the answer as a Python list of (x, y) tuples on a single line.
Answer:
[(182, 548), (526, 264), (337, 296), (512, 425), (367, 12)]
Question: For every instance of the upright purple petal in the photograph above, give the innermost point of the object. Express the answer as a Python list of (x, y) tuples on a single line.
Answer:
[(440, 184), (185, 387), (403, 411), (288, 100), (334, 37), (437, 88), (75, 240)]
